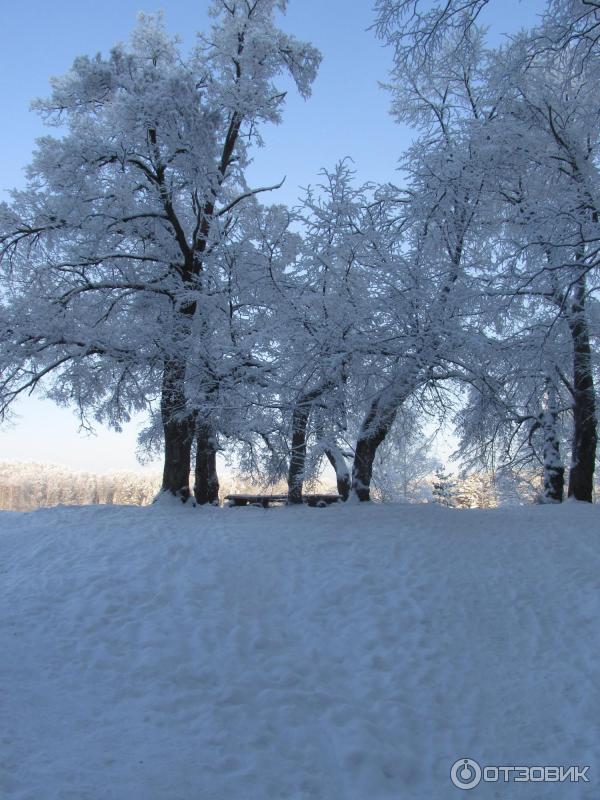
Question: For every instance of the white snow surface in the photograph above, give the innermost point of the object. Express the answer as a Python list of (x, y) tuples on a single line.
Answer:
[(347, 653)]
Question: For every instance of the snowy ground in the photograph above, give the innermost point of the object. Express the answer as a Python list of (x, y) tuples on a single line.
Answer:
[(348, 653)]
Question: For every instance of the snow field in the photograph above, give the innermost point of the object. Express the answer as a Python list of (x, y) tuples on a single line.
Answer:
[(348, 653)]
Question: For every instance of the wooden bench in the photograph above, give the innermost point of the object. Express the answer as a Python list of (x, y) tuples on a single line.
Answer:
[(263, 500), (320, 500), (255, 499)]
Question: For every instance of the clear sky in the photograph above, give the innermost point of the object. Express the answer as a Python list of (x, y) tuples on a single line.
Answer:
[(346, 116)]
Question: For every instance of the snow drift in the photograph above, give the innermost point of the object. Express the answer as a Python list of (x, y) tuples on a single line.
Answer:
[(350, 653)]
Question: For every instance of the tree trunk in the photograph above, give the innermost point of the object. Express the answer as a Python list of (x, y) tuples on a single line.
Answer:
[(342, 473), (375, 428), (206, 480), (298, 454), (554, 471), (177, 430), (298, 449), (583, 457)]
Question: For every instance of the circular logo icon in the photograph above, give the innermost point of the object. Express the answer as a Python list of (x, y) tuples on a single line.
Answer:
[(465, 773)]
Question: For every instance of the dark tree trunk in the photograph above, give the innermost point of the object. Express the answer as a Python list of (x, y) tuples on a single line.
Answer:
[(554, 471), (178, 431), (300, 419), (342, 474), (379, 421), (554, 484), (206, 480), (375, 428), (298, 454), (583, 458)]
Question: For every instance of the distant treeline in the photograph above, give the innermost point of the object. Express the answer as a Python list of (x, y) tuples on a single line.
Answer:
[(27, 486)]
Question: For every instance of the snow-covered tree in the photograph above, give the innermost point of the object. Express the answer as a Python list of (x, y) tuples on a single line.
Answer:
[(534, 127), (405, 461), (107, 255), (476, 490), (444, 489), (435, 226), (333, 310)]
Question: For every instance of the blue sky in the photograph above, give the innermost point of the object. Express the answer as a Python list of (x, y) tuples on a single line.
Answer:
[(346, 116)]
